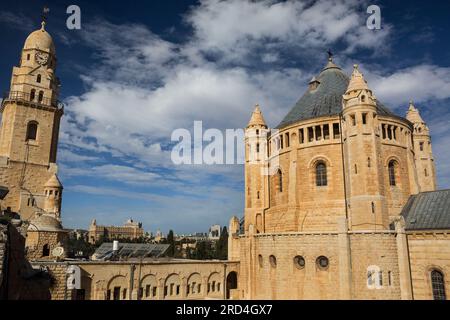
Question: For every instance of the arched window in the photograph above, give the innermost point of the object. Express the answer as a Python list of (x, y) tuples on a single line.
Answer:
[(257, 148), (32, 94), (41, 96), (438, 285), (321, 174), (391, 168), (280, 180), (46, 250), (38, 79), (32, 130)]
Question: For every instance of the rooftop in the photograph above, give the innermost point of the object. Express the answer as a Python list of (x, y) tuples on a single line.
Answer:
[(428, 211), (324, 98)]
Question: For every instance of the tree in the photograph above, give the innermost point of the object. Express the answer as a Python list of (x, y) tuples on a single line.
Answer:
[(222, 245), (171, 242), (203, 250)]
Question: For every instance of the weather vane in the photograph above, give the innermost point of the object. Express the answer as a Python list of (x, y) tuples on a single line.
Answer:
[(45, 12), (330, 54)]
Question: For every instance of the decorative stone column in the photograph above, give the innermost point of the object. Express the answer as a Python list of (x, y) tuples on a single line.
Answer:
[(403, 259), (345, 278)]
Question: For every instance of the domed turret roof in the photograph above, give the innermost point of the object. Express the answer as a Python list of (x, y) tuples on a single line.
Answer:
[(325, 99), (53, 182), (40, 39), (45, 222)]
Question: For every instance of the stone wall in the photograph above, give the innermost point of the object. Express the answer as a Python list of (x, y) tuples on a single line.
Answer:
[(428, 251), (350, 256), (182, 279), (34, 177)]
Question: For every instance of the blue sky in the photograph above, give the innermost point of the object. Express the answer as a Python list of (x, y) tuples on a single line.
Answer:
[(137, 71)]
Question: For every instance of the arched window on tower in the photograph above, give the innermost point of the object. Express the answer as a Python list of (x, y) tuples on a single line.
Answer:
[(438, 285), (32, 129), (391, 168), (321, 174), (38, 78), (32, 94), (41, 96), (280, 180)]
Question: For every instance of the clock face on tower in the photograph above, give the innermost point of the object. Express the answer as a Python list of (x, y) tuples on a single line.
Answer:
[(41, 58)]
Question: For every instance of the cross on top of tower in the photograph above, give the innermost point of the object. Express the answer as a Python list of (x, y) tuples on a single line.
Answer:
[(330, 54), (45, 12)]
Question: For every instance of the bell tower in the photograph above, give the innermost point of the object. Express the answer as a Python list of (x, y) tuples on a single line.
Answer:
[(255, 176), (366, 200), (29, 131)]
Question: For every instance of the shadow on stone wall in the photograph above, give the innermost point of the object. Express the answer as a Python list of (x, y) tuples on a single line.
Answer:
[(22, 281)]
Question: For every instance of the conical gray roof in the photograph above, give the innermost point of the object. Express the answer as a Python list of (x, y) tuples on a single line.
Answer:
[(326, 99)]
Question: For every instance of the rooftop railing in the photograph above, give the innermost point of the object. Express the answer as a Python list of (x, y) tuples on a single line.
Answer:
[(36, 99)]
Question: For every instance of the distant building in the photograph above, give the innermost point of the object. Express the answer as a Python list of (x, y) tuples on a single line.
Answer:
[(214, 232), (130, 230), (158, 236), (78, 234)]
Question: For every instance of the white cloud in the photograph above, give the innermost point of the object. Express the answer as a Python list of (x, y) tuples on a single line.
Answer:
[(236, 27), (420, 83)]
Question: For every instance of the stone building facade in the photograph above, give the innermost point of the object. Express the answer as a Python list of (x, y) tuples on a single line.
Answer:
[(331, 198), (130, 230)]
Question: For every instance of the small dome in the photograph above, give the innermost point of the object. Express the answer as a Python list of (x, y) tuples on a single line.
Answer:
[(45, 222), (53, 182), (40, 39)]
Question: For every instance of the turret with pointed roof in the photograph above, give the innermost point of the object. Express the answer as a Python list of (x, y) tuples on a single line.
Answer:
[(425, 167), (257, 118)]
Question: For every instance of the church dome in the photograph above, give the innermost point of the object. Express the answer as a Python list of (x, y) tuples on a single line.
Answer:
[(40, 39), (325, 99), (45, 222)]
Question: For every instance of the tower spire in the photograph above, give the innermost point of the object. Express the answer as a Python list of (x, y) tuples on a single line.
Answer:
[(257, 118), (413, 114), (357, 81)]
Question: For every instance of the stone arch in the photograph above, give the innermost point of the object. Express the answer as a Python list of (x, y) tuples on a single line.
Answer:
[(277, 176), (427, 275), (172, 286), (194, 285), (393, 163), (392, 158), (148, 287), (117, 288), (215, 285), (313, 162), (232, 283), (312, 165), (32, 130)]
